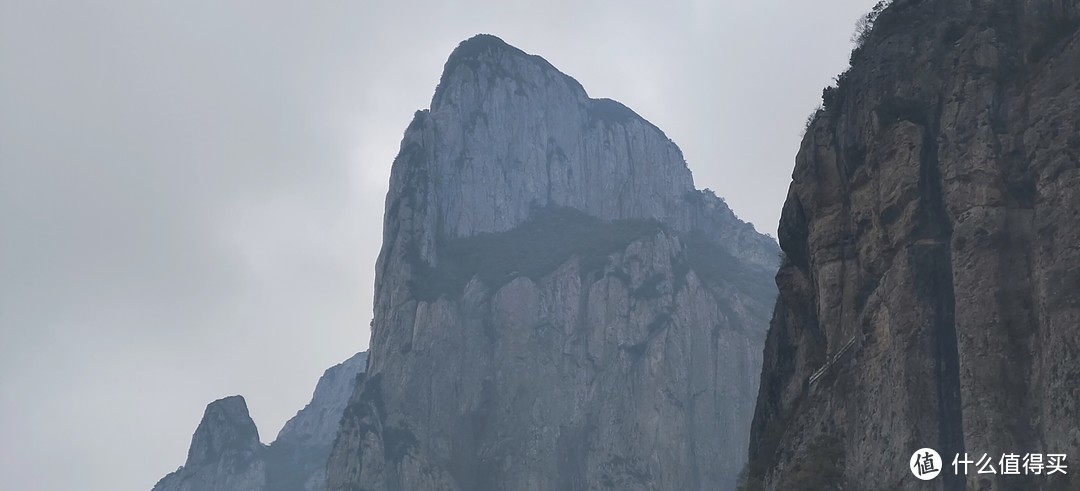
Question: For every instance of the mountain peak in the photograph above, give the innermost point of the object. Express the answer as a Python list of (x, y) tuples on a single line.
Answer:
[(226, 428), (476, 45), (507, 133), (490, 56), (538, 244), (226, 454)]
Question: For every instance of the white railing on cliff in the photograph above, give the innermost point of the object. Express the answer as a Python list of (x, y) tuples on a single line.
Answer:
[(824, 368)]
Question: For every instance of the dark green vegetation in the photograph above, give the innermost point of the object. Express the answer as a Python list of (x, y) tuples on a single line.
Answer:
[(1052, 38), (612, 111), (288, 466), (716, 267), (879, 18), (896, 109), (823, 467), (397, 441), (609, 110), (747, 483), (553, 236), (533, 249), (885, 18)]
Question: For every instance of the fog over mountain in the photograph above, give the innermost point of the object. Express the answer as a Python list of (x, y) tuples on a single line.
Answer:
[(226, 453), (557, 307), (191, 194)]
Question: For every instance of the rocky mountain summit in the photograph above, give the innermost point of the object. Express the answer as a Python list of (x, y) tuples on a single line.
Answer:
[(226, 454), (556, 306), (929, 297)]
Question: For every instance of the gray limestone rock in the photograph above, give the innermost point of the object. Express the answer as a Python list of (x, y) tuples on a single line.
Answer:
[(226, 454), (929, 296), (556, 306)]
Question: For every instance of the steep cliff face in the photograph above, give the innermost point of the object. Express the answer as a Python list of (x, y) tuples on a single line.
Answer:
[(296, 460), (226, 454), (929, 297), (556, 306)]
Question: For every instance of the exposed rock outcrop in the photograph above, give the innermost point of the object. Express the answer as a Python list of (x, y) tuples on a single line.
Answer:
[(930, 293), (297, 458), (226, 454), (556, 306)]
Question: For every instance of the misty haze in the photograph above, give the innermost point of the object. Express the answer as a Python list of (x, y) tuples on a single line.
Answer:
[(540, 246)]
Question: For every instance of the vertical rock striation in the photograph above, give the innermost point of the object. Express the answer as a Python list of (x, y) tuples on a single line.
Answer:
[(226, 454), (297, 458), (929, 295), (556, 306)]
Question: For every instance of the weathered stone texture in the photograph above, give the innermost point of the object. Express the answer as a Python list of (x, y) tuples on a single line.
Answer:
[(932, 225), (226, 454), (618, 348)]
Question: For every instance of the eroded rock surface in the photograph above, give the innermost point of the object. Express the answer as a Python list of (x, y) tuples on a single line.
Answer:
[(556, 306), (930, 293), (226, 454)]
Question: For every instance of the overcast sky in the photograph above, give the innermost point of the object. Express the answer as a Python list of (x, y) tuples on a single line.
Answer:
[(191, 193)]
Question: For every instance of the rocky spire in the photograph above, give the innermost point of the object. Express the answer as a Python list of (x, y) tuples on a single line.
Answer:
[(225, 433), (556, 305), (508, 133), (226, 455)]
